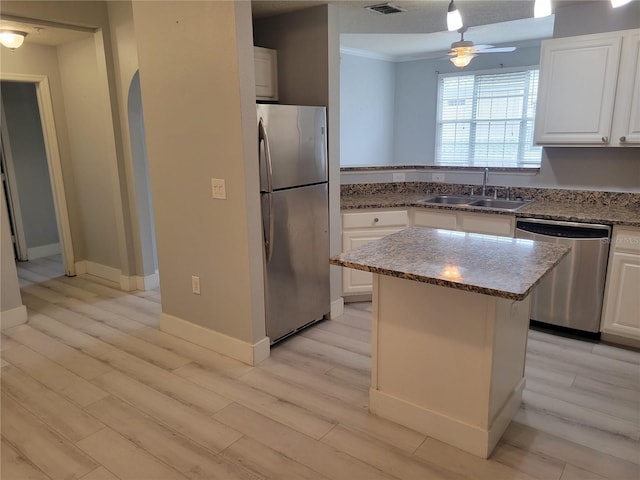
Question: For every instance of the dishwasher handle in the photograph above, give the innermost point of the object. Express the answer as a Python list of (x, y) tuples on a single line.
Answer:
[(564, 229)]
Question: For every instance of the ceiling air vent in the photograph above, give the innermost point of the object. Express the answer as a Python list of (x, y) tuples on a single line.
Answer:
[(384, 8)]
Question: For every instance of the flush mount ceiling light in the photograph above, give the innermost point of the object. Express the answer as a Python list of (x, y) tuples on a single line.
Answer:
[(454, 19), (542, 8), (12, 38), (619, 3)]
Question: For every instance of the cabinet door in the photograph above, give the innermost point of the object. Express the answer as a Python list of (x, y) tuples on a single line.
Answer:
[(627, 115), (577, 89), (358, 281), (622, 306), (266, 71)]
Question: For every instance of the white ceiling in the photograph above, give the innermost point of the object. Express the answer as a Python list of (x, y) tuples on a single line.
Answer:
[(412, 46), (420, 31)]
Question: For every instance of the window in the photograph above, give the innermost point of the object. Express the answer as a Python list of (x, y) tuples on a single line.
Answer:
[(486, 119)]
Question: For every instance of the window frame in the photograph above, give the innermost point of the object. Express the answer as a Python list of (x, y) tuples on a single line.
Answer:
[(518, 162)]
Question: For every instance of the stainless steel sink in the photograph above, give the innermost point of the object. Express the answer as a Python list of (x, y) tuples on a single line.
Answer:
[(499, 203), (482, 202), (449, 199)]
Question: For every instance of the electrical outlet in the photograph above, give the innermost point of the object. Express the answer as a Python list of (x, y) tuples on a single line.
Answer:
[(195, 285), (218, 188), (399, 177), (437, 177)]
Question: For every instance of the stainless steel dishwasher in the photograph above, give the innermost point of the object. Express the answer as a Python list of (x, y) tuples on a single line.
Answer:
[(571, 295)]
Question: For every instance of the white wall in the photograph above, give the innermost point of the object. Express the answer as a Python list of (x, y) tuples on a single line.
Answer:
[(198, 97), (367, 104), (30, 163)]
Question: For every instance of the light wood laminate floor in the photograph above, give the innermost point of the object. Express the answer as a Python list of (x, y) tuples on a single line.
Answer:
[(92, 390)]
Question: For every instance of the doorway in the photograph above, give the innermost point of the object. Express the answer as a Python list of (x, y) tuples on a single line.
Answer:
[(34, 187)]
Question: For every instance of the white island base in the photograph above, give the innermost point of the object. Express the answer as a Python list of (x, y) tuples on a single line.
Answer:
[(446, 362)]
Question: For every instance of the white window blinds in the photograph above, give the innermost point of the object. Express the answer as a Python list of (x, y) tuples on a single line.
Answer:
[(487, 119)]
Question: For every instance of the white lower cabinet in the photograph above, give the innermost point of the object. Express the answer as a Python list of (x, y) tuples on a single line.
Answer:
[(359, 228), (362, 226), (621, 312), (486, 223)]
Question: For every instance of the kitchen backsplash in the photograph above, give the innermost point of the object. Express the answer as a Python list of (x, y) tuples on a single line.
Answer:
[(578, 197)]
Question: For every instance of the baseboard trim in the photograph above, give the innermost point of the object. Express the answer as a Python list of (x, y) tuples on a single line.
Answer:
[(150, 282), (43, 251), (620, 341), (128, 284), (337, 308), (469, 438), (13, 317), (251, 354), (99, 270)]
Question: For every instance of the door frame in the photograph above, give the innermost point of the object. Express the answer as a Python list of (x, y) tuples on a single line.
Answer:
[(45, 105), (10, 185)]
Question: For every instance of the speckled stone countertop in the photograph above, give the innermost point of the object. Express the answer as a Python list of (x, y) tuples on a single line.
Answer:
[(566, 205), (497, 266)]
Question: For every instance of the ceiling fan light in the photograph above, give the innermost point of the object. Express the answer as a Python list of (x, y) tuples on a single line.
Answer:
[(542, 8), (462, 60), (454, 19), (11, 38), (619, 3)]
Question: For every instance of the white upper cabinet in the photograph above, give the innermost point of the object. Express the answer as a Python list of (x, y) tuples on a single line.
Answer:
[(627, 114), (266, 67), (589, 90)]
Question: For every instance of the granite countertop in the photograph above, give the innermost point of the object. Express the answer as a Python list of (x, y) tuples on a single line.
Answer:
[(497, 266), (576, 211)]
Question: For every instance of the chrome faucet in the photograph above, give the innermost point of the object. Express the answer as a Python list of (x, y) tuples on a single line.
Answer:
[(484, 181)]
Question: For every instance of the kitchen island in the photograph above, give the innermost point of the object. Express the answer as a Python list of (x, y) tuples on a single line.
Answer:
[(450, 322)]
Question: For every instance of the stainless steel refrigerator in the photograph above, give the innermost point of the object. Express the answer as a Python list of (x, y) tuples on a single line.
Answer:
[(294, 193)]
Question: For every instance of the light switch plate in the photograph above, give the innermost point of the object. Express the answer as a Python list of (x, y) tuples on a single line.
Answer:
[(437, 177), (218, 188), (195, 285), (399, 177)]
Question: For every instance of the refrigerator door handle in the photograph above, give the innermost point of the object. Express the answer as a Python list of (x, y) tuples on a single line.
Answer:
[(263, 138)]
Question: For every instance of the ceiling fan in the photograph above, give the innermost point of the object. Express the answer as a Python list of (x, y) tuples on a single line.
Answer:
[(463, 50)]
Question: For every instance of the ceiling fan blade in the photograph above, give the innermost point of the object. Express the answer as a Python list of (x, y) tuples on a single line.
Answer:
[(482, 47), (497, 50)]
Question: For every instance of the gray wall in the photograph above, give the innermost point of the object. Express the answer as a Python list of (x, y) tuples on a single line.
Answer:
[(30, 163), (367, 110), (140, 161), (10, 292), (199, 115)]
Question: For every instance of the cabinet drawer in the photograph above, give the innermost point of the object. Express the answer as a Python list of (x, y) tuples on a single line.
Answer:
[(487, 224), (429, 218), (627, 240), (397, 218)]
